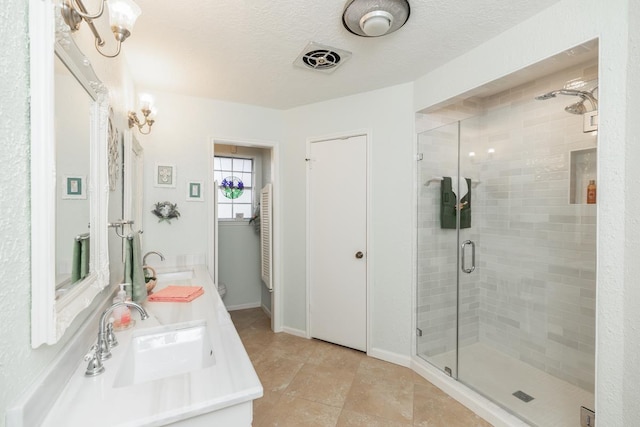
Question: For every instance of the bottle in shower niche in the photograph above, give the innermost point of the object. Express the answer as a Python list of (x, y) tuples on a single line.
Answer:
[(591, 192)]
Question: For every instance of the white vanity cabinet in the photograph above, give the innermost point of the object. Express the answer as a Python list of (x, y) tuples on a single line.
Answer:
[(221, 394)]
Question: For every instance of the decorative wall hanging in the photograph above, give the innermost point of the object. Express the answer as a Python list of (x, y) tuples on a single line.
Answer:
[(194, 191), (166, 211), (114, 153), (165, 175), (232, 187), (74, 187)]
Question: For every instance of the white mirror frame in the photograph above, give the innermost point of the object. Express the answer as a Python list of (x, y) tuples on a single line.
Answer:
[(50, 318)]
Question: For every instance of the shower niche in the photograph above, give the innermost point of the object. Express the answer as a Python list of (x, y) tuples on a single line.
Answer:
[(583, 169)]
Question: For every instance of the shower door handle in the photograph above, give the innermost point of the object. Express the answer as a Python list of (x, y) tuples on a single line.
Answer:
[(473, 257)]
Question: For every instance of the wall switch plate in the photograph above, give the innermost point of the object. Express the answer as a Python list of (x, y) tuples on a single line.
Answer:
[(587, 417), (590, 121)]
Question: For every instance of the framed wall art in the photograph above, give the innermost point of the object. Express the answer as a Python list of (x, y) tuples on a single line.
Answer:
[(195, 191), (74, 187), (165, 175)]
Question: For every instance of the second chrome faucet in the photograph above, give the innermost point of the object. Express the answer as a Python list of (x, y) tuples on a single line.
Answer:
[(102, 350)]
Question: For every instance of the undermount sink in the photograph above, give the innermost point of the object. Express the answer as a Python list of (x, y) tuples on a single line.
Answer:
[(172, 276), (165, 351)]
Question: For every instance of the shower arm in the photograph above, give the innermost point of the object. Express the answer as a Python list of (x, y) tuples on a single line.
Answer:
[(572, 92), (582, 94)]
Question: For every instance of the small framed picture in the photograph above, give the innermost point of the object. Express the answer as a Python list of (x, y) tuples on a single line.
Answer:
[(195, 191), (165, 175), (74, 187)]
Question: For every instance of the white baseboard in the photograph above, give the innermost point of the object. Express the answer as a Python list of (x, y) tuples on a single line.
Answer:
[(243, 306), (388, 356), (478, 404), (266, 311), (293, 331)]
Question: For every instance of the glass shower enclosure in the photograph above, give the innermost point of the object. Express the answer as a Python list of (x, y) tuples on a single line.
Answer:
[(506, 258)]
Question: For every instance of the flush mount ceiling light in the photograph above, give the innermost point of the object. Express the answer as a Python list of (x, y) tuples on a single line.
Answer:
[(375, 18), (122, 16)]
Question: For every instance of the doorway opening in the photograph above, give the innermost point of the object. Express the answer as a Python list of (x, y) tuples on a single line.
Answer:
[(238, 172)]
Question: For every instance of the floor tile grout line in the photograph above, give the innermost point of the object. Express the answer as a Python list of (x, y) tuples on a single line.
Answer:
[(267, 417)]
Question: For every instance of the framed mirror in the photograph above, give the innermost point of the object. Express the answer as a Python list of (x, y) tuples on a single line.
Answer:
[(69, 178)]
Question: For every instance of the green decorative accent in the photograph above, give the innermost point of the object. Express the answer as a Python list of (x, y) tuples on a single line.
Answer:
[(166, 211), (232, 187)]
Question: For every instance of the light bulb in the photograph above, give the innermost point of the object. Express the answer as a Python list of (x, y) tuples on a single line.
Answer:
[(123, 13), (376, 23), (146, 101)]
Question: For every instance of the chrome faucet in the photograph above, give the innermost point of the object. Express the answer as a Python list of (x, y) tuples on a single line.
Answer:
[(144, 258), (102, 350)]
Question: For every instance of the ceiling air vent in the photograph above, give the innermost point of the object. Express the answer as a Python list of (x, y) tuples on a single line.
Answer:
[(321, 58)]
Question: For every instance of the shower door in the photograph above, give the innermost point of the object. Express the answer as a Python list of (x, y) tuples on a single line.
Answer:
[(437, 266), (506, 295)]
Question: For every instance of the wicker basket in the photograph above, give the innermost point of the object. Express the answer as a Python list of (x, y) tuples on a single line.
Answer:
[(149, 272)]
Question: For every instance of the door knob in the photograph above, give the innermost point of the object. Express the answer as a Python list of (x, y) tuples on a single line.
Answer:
[(359, 254)]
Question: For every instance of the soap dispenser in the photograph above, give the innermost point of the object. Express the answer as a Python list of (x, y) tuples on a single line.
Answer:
[(591, 192), (121, 315)]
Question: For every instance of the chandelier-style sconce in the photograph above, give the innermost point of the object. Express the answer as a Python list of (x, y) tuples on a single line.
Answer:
[(122, 16), (148, 112)]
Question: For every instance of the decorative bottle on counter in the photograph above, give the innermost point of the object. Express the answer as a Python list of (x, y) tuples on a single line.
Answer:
[(591, 192), (121, 315)]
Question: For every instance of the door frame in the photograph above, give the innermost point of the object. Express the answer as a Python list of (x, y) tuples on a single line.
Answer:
[(369, 245), (276, 308)]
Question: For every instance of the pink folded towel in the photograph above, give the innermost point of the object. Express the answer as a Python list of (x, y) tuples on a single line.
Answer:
[(177, 294)]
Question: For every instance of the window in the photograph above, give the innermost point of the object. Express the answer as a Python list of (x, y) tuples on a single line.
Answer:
[(234, 176)]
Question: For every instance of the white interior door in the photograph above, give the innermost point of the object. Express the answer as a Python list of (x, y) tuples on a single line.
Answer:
[(338, 241)]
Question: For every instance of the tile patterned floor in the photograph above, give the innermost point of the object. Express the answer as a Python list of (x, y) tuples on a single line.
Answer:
[(555, 403), (313, 383)]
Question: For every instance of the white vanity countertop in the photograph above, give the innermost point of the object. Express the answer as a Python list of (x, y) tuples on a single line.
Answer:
[(230, 381)]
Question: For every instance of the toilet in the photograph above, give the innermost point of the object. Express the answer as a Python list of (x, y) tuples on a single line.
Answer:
[(222, 290)]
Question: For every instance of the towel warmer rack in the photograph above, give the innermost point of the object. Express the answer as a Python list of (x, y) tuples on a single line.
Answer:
[(119, 226)]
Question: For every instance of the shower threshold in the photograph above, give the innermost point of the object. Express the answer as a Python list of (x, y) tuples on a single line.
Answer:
[(497, 376)]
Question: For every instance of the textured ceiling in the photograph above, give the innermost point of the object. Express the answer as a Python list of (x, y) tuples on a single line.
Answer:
[(243, 50)]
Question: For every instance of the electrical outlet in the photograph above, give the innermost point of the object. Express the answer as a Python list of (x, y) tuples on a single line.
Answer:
[(587, 417)]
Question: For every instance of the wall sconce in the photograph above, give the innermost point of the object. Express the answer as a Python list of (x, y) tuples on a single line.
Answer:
[(148, 112), (122, 16)]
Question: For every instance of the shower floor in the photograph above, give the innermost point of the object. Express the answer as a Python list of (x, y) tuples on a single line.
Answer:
[(556, 403)]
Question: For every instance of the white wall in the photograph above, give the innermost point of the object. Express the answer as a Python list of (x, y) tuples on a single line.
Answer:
[(182, 135), (387, 115), (20, 365), (558, 28), (239, 264)]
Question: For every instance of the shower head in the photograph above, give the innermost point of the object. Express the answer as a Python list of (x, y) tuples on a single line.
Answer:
[(577, 108)]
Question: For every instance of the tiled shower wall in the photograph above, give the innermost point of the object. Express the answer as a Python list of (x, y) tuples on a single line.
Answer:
[(533, 293)]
